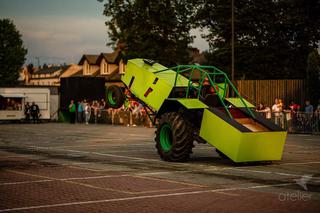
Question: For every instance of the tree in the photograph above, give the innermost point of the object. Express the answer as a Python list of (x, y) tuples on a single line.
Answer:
[(12, 53), (272, 38), (156, 30)]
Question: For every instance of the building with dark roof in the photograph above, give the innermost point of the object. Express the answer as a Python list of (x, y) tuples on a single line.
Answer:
[(108, 65), (49, 75), (89, 64)]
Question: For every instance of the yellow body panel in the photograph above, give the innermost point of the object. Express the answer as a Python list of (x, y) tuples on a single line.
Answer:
[(241, 146)]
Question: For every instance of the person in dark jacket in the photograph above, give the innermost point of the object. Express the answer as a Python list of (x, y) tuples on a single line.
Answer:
[(34, 109), (27, 112)]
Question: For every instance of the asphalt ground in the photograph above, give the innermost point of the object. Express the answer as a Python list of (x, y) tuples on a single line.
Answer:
[(56, 167)]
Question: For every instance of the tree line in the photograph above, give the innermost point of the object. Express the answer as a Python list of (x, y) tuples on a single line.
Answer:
[(273, 38)]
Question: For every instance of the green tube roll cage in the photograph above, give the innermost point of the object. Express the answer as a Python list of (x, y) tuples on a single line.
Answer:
[(212, 74)]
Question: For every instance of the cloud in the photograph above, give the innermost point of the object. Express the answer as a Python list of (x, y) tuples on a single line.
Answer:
[(62, 39), (59, 39)]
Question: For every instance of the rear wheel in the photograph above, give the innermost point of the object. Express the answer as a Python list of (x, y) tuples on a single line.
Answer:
[(174, 137), (115, 97)]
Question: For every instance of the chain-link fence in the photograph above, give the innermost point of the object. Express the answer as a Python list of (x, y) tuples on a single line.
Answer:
[(293, 122)]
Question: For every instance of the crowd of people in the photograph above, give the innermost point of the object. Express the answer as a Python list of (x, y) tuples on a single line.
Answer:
[(83, 110), (131, 113), (292, 116)]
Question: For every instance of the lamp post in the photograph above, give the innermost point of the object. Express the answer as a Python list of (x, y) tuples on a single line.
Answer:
[(232, 43)]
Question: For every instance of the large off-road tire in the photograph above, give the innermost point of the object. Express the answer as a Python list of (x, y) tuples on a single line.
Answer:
[(115, 97), (174, 137)]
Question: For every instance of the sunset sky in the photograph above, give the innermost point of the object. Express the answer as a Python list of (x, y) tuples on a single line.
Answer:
[(59, 31)]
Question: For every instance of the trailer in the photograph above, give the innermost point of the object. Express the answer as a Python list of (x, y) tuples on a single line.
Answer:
[(13, 100)]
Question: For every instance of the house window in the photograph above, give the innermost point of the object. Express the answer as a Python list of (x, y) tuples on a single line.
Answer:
[(86, 68), (104, 67)]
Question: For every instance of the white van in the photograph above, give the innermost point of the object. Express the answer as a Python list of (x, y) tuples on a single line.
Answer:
[(13, 100)]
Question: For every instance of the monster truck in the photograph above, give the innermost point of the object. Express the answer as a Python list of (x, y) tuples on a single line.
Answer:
[(191, 103)]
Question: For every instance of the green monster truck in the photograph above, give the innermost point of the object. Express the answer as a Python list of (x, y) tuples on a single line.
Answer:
[(191, 103)]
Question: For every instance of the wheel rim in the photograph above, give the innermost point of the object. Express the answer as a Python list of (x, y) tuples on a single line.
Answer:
[(166, 137), (111, 98)]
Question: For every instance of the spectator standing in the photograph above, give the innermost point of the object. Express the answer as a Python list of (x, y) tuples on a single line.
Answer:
[(80, 111), (95, 108), (102, 107), (260, 107), (276, 111), (84, 103), (103, 104), (87, 112), (308, 116), (136, 113), (72, 112), (317, 114), (308, 108), (280, 105), (34, 110), (294, 107), (27, 112), (265, 110), (318, 107)]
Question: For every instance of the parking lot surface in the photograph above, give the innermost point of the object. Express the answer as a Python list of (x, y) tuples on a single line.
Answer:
[(58, 167)]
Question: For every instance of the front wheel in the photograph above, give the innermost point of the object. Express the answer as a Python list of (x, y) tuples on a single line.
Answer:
[(174, 137)]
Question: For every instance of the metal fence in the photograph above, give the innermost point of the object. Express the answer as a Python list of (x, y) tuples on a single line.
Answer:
[(116, 117), (298, 122)]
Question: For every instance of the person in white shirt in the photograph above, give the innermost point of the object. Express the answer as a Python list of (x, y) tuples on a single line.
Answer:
[(276, 109), (87, 111)]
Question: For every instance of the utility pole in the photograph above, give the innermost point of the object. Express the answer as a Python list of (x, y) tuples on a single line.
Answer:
[(232, 43), (38, 60)]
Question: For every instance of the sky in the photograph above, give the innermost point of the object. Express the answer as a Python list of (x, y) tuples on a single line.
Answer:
[(61, 31)]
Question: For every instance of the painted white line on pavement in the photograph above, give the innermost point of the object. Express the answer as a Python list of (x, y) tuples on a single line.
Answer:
[(301, 163), (98, 145), (143, 197), (303, 135), (303, 147), (96, 153), (160, 161), (269, 172), (126, 151), (77, 163), (24, 182), (160, 173), (93, 177)]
